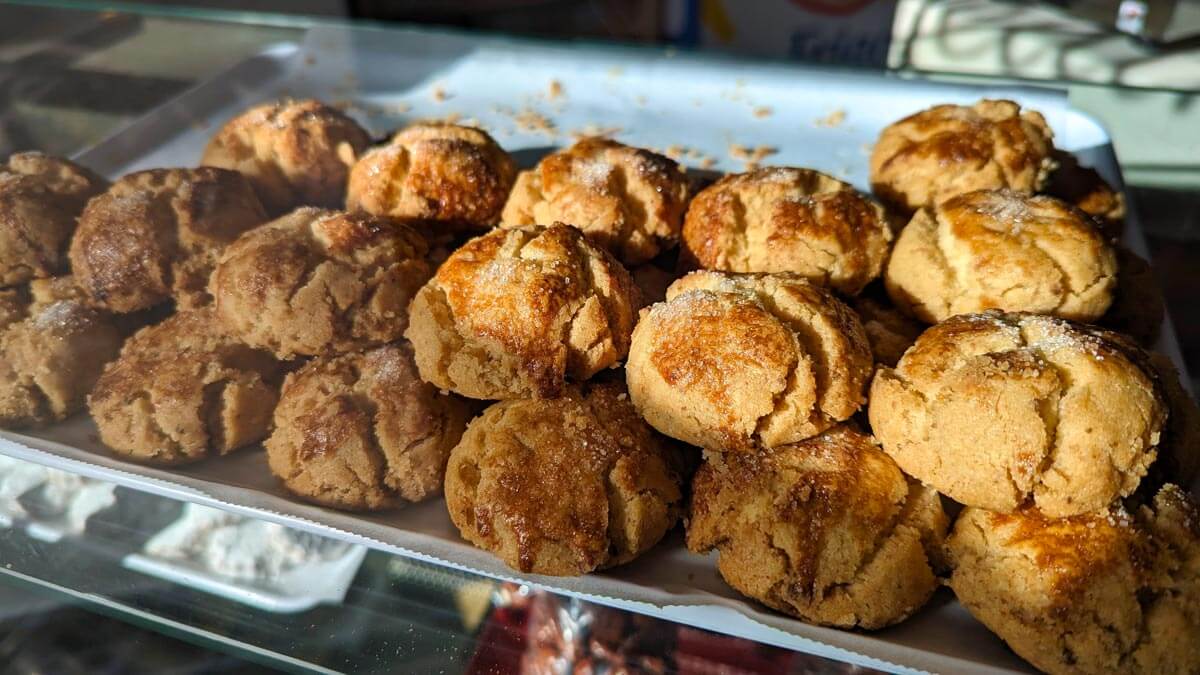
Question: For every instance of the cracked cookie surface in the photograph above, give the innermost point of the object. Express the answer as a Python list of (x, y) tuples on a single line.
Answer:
[(361, 431), (155, 235), (449, 176), (183, 390), (738, 362), (50, 360), (40, 198), (295, 153), (1002, 250), (564, 486), (948, 150), (628, 200), (320, 282), (519, 312), (1112, 591), (828, 530), (995, 410), (783, 219)]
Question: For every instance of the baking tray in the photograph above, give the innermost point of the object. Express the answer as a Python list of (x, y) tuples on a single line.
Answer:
[(820, 118)]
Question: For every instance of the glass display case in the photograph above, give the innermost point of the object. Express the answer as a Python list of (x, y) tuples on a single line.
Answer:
[(98, 574)]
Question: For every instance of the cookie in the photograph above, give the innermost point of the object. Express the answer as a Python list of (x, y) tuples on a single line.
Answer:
[(320, 282), (782, 219), (1138, 307), (13, 303), (1111, 591), (996, 410), (451, 177), (183, 390), (827, 530), (519, 312), (628, 200), (155, 235), (1002, 250), (1179, 459), (652, 281), (740, 362), (71, 184), (295, 153), (49, 361), (40, 198), (890, 331), (1085, 189), (949, 150), (564, 486), (361, 431)]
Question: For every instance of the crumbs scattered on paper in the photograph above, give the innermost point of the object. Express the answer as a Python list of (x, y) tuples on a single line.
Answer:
[(534, 122), (439, 94), (762, 111), (751, 157), (555, 90), (832, 120)]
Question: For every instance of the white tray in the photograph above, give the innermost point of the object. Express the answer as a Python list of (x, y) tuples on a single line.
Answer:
[(297, 591), (658, 99)]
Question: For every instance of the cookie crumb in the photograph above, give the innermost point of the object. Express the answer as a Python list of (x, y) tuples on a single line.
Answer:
[(763, 111), (591, 130), (751, 157), (833, 120), (439, 94), (555, 90)]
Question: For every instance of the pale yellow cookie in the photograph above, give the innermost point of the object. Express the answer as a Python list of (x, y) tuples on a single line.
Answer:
[(999, 410), (740, 362), (828, 530), (1112, 591)]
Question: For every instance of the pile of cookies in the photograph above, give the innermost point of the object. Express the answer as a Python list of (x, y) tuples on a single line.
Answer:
[(816, 381)]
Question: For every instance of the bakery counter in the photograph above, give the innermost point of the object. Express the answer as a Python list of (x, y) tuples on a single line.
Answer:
[(583, 378)]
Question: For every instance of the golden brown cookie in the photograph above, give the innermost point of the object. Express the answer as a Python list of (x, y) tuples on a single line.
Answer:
[(739, 362), (361, 431), (1086, 190), (1110, 591), (995, 410), (1138, 308), (828, 530), (156, 234), (564, 486), (40, 198), (517, 313), (320, 282), (49, 361), (183, 390), (628, 200), (948, 150), (889, 330), (453, 177), (782, 219), (1002, 250), (295, 153)]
